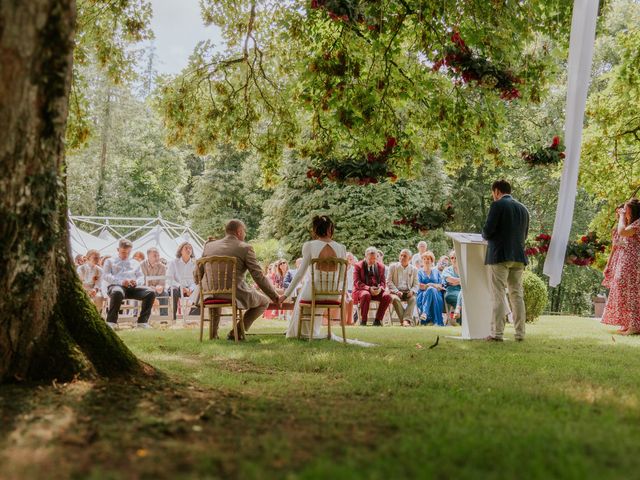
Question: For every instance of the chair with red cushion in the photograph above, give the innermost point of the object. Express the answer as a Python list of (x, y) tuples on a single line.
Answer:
[(218, 292), (328, 291)]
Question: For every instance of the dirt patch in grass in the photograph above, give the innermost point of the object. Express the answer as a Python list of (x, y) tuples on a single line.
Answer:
[(163, 428)]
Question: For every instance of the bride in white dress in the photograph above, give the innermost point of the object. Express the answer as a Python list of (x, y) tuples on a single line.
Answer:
[(322, 246)]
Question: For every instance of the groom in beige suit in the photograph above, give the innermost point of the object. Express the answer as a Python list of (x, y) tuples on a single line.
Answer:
[(402, 282), (250, 299)]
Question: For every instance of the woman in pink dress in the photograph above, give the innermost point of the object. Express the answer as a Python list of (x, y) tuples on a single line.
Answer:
[(623, 304), (615, 251)]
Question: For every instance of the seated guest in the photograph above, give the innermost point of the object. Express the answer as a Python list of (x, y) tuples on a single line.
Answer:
[(322, 246), (402, 282), (281, 269), (430, 296), (124, 279), (369, 283), (457, 313), (91, 276), (153, 267), (248, 298), (380, 257), (443, 262), (181, 270), (103, 259), (416, 260), (451, 280), (79, 260), (138, 256), (290, 273)]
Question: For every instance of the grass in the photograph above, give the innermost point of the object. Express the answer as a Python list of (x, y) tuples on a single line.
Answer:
[(563, 404)]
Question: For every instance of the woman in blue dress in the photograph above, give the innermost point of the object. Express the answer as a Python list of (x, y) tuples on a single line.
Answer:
[(430, 299)]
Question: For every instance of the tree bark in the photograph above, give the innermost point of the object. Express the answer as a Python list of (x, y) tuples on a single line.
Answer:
[(48, 326)]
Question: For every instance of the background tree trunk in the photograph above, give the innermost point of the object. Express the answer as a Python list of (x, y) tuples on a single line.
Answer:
[(48, 326)]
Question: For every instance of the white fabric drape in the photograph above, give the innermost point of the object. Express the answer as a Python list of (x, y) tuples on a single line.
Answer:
[(583, 32)]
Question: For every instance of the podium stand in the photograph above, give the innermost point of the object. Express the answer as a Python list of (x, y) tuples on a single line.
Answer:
[(476, 284)]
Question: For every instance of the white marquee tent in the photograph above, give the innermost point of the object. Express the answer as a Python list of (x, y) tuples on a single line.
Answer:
[(103, 234)]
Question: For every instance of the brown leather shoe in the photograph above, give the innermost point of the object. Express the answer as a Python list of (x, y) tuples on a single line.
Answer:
[(493, 339)]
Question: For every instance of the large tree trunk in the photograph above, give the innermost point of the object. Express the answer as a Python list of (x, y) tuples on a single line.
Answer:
[(48, 326)]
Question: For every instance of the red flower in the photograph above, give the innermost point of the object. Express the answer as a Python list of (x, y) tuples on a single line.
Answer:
[(584, 239), (371, 157), (391, 142), (457, 39), (310, 173), (543, 248), (555, 142), (561, 155), (314, 4), (543, 236)]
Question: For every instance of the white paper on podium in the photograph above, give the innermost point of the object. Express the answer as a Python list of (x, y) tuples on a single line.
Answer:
[(476, 286)]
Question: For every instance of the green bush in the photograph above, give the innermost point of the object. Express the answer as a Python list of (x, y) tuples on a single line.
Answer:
[(535, 295)]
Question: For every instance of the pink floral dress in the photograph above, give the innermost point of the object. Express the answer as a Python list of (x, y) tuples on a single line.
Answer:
[(623, 304), (613, 258)]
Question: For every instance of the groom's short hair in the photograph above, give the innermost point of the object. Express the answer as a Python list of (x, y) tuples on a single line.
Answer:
[(233, 226), (502, 186)]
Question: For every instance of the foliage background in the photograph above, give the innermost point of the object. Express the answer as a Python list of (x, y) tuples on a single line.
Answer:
[(232, 135)]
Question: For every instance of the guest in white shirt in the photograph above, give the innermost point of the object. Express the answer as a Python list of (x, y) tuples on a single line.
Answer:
[(124, 279), (90, 274), (402, 282), (416, 260), (180, 271)]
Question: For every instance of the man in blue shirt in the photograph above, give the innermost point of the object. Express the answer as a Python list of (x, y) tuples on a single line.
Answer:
[(124, 279), (506, 231)]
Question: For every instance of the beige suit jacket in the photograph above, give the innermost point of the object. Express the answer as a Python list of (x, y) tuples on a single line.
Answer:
[(393, 277), (230, 246)]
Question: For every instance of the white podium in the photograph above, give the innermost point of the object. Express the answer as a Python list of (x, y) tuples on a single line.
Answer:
[(476, 284)]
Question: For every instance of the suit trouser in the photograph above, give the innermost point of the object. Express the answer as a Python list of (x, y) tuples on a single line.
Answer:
[(118, 293), (364, 299), (402, 312), (257, 303), (507, 275)]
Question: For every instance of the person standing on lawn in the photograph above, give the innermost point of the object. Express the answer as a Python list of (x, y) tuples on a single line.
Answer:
[(506, 230)]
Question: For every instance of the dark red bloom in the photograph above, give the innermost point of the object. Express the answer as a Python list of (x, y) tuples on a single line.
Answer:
[(584, 239), (438, 65), (391, 142), (555, 142), (457, 39), (561, 155), (371, 157), (310, 173)]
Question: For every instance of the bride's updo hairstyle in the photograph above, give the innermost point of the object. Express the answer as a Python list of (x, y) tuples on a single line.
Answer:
[(322, 226)]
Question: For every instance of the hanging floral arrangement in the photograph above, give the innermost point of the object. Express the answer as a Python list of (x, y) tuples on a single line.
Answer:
[(470, 67), (427, 219), (548, 155), (581, 252), (355, 169)]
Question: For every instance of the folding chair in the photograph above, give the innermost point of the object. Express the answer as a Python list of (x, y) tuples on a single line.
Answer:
[(218, 280), (328, 281)]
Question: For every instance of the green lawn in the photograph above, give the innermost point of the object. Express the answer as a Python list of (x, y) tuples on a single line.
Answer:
[(563, 404)]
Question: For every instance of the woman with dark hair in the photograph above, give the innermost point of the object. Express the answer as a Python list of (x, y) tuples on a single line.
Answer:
[(180, 270), (623, 304), (322, 246)]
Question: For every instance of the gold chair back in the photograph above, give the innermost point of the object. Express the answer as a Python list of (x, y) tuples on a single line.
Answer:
[(329, 277)]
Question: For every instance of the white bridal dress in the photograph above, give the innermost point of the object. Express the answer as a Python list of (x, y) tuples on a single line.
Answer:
[(310, 250)]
